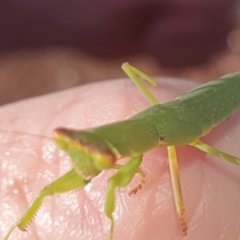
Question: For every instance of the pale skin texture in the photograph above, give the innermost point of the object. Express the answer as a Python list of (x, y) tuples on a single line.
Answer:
[(210, 185)]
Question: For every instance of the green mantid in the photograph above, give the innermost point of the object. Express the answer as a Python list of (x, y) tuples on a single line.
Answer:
[(181, 121)]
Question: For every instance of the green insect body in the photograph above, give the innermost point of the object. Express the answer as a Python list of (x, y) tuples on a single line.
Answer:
[(181, 121), (195, 113)]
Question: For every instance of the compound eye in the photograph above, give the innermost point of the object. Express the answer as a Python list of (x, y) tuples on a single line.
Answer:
[(103, 160)]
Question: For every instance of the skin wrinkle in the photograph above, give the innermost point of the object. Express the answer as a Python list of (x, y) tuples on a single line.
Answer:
[(92, 206), (157, 207), (148, 213), (238, 230), (120, 200), (84, 217), (193, 213), (224, 229), (152, 206), (238, 223), (222, 202), (135, 215), (91, 203), (202, 200), (208, 201)]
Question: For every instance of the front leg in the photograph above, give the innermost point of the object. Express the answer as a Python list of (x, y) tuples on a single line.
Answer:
[(69, 181), (121, 178)]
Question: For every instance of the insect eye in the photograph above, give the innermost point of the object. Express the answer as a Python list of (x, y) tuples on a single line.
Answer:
[(103, 160), (60, 141)]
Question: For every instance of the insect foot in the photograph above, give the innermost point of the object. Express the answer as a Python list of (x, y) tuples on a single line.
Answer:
[(138, 187), (183, 225)]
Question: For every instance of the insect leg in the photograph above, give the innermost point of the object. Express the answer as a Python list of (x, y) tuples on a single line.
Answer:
[(213, 151), (139, 186), (134, 74), (120, 179), (69, 181), (176, 186)]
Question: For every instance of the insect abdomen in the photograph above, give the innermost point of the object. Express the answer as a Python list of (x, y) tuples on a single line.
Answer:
[(213, 102)]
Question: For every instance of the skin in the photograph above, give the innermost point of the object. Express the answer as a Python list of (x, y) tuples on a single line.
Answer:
[(210, 185)]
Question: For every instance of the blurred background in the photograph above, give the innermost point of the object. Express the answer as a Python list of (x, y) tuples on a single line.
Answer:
[(47, 46)]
